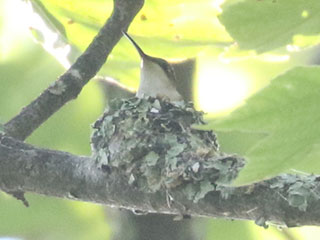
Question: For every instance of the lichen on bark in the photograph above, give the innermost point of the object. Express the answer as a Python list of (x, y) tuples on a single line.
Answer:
[(153, 144)]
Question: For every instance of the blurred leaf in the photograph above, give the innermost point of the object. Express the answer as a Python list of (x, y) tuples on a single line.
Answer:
[(80, 20), (69, 129), (232, 141), (169, 29), (228, 230), (51, 34), (279, 127), (306, 41), (23, 76), (38, 35), (190, 23), (49, 218), (48, 17), (244, 230), (269, 24)]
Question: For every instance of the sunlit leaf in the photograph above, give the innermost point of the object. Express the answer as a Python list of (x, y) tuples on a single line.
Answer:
[(168, 29), (48, 17), (277, 129), (269, 24)]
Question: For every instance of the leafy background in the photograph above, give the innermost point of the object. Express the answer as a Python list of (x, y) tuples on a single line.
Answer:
[(268, 45)]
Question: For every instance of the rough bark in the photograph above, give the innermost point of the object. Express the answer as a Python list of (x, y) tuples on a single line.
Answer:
[(60, 174)]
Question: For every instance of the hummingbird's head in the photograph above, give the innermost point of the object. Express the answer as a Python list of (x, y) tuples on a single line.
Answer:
[(148, 60), (157, 76), (163, 64)]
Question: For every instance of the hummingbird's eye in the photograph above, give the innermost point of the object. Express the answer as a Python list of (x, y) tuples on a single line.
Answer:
[(167, 68), (170, 72)]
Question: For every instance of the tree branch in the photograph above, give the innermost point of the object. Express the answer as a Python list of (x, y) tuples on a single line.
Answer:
[(287, 200), (60, 174), (69, 85)]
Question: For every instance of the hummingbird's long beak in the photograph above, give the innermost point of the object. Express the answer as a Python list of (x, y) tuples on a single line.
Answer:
[(141, 53)]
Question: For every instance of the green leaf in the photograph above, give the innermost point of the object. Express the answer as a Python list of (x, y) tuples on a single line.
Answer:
[(205, 187), (279, 127), (52, 218), (51, 34), (161, 28), (151, 158), (235, 140), (269, 24), (48, 17), (81, 20), (176, 150)]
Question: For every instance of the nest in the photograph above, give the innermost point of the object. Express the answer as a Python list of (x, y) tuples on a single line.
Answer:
[(154, 145)]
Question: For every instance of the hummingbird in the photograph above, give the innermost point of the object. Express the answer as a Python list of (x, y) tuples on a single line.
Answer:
[(157, 77)]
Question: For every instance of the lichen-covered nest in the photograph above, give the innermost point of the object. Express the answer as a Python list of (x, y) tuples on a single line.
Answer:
[(152, 142)]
